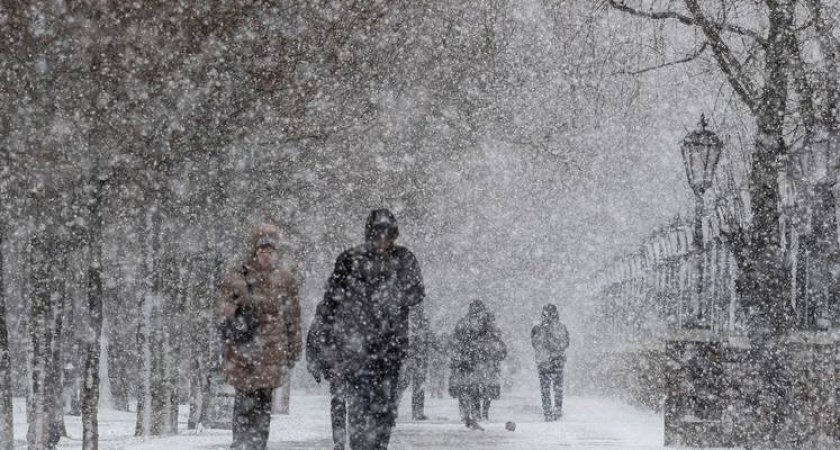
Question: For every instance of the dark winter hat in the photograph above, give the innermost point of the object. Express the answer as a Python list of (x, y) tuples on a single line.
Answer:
[(381, 220), (477, 306), (550, 312)]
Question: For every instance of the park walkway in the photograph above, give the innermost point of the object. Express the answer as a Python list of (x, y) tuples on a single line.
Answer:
[(588, 424)]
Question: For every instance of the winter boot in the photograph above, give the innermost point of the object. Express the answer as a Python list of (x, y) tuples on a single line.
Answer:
[(473, 425)]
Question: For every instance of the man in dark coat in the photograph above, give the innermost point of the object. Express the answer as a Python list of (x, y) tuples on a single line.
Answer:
[(477, 352), (550, 340), (365, 314)]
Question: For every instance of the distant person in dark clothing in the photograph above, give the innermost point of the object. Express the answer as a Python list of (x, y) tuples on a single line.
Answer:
[(477, 352), (550, 340), (365, 319), (416, 363), (438, 362)]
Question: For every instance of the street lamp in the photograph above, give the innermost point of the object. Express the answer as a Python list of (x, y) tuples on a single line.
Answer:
[(700, 151)]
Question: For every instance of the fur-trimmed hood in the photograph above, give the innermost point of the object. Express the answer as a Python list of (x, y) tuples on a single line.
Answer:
[(267, 233)]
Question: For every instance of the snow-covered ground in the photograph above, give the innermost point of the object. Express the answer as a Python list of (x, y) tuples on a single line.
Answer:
[(588, 424)]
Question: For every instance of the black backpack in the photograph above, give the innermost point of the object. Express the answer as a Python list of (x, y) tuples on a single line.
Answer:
[(239, 331)]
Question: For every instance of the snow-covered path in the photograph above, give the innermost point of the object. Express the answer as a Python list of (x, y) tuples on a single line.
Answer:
[(588, 424)]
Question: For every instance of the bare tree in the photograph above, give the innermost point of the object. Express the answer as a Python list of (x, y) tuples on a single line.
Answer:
[(43, 432), (758, 48), (91, 351), (6, 410)]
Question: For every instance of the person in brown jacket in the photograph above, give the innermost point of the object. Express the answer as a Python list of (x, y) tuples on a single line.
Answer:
[(259, 320)]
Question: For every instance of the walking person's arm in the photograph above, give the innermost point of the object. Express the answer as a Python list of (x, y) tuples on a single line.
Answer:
[(230, 298), (564, 341), (499, 347), (412, 281), (315, 342), (336, 289), (321, 343)]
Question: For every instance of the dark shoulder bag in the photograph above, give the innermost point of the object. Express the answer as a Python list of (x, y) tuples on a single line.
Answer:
[(240, 330)]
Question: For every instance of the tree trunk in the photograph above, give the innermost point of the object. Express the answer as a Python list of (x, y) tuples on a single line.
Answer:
[(119, 360), (6, 418), (765, 283), (196, 392), (153, 398), (827, 257), (56, 331), (91, 353), (158, 390), (42, 434), (196, 343), (207, 361), (144, 310), (169, 383), (144, 395), (122, 354), (165, 321), (176, 329)]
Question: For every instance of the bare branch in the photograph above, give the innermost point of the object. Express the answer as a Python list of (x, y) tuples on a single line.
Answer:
[(543, 148), (830, 48), (689, 58), (804, 89), (728, 63), (687, 20), (289, 140)]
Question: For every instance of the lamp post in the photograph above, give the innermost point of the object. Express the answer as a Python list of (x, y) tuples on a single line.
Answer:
[(693, 407), (701, 151)]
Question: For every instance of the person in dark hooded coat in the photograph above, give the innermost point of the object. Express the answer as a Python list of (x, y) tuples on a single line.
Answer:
[(365, 321), (477, 352), (550, 340)]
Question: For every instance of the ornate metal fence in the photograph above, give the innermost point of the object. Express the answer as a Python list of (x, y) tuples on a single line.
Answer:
[(649, 292), (649, 297)]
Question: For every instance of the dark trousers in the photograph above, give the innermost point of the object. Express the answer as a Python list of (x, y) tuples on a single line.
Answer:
[(474, 404), (418, 396), (338, 413), (372, 399), (251, 419), (551, 378), (469, 405)]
